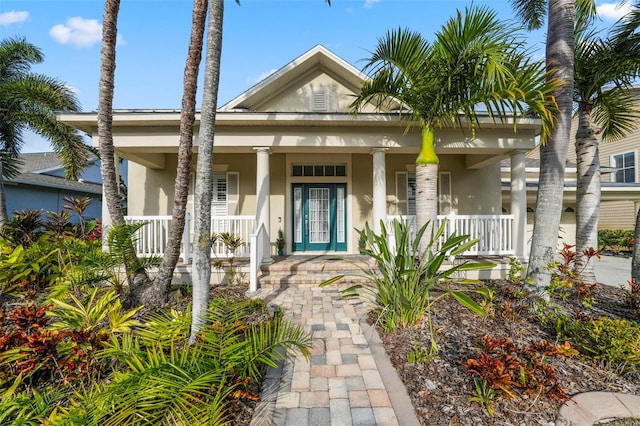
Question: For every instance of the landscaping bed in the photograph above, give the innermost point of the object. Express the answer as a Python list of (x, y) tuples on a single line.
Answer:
[(442, 389)]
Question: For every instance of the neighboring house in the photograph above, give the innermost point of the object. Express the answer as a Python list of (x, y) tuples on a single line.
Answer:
[(620, 181), (288, 155), (41, 185)]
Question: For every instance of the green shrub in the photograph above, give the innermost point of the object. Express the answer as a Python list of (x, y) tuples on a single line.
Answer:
[(401, 286), (616, 239), (613, 341)]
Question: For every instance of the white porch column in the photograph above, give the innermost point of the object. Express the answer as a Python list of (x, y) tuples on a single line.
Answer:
[(263, 206), (379, 188), (519, 203)]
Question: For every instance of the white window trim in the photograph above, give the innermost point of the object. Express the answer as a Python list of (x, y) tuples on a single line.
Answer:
[(612, 163)]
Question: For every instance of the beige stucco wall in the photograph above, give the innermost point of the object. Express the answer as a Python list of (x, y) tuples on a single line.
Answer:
[(298, 97), (473, 191), (150, 192)]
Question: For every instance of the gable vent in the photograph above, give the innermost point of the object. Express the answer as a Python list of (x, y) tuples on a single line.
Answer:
[(320, 100)]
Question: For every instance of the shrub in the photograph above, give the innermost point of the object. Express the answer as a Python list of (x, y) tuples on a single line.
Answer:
[(615, 342), (503, 367), (401, 286), (616, 239)]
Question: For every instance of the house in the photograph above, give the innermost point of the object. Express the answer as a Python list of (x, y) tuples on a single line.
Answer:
[(42, 185), (288, 155), (620, 184)]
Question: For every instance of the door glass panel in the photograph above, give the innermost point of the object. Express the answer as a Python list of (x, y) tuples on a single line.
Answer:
[(340, 214), (318, 215), (297, 214)]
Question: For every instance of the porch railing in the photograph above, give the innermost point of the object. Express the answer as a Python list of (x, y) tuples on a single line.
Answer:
[(495, 231), (152, 238)]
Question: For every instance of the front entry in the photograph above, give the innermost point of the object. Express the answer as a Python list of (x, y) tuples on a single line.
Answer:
[(319, 217)]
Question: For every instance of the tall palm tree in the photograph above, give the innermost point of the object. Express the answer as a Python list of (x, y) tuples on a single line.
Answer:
[(475, 61), (204, 172), (605, 71), (185, 150), (560, 64), (136, 274), (29, 101)]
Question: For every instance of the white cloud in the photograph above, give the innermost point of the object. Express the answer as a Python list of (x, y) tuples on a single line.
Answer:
[(78, 32), (13, 17), (261, 77), (613, 11), (368, 4)]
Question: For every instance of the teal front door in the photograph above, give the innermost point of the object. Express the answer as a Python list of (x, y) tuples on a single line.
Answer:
[(319, 217)]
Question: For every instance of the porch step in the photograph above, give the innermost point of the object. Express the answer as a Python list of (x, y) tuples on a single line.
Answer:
[(312, 270)]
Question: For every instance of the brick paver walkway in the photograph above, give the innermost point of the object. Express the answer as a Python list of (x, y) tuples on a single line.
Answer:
[(341, 384)]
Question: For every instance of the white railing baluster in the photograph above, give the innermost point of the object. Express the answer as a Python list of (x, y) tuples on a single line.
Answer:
[(495, 231)]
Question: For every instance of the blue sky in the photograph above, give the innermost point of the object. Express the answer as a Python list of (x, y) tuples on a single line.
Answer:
[(259, 37)]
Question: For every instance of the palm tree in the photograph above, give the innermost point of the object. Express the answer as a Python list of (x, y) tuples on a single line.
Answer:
[(475, 61), (605, 71), (136, 275), (560, 64), (204, 177), (185, 150), (29, 101)]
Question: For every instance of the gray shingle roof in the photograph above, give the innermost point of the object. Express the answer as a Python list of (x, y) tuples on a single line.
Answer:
[(37, 163)]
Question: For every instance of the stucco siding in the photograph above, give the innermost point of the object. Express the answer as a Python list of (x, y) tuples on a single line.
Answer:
[(473, 191), (362, 188), (298, 97)]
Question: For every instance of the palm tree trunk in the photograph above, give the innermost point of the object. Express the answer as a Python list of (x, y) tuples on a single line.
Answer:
[(204, 173), (136, 277), (160, 287), (427, 186), (105, 109), (553, 154), (587, 195), (4, 216)]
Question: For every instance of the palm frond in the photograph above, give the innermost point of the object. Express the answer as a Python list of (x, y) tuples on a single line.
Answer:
[(531, 12), (616, 114)]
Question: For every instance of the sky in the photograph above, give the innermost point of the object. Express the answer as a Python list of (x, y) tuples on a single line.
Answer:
[(259, 37)]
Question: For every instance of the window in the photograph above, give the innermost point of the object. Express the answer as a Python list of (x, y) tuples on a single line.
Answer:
[(625, 165), (225, 194), (318, 170), (411, 193), (406, 193)]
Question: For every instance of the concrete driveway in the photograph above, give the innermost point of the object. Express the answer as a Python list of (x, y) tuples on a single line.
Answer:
[(613, 270)]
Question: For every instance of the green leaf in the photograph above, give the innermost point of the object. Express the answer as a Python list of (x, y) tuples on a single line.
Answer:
[(468, 302)]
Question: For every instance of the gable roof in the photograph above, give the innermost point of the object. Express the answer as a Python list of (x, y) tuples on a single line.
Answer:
[(35, 168), (319, 57)]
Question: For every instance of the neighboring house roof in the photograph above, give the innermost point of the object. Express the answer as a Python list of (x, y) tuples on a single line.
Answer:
[(37, 171)]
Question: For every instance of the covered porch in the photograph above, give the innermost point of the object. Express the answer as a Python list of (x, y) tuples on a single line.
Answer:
[(496, 233)]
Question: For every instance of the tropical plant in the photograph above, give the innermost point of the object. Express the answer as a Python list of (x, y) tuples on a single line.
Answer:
[(24, 228), (559, 56), (136, 276), (29, 101), (160, 287), (204, 172), (605, 73), (169, 382), (400, 288), (475, 61)]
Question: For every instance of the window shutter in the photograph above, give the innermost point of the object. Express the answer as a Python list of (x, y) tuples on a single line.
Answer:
[(233, 193), (444, 195), (401, 193)]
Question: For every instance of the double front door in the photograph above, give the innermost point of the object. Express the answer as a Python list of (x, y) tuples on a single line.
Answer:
[(319, 217)]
